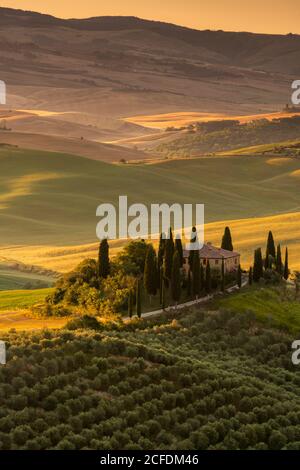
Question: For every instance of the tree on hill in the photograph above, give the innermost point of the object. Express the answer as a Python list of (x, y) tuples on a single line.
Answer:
[(196, 276), (258, 271), (161, 250), (130, 304), (103, 259), (193, 239), (286, 271), (227, 240), (239, 276), (168, 257), (279, 260), (161, 284), (150, 272), (223, 276), (270, 251), (208, 278), (138, 298), (250, 279), (179, 249), (176, 278), (189, 283), (202, 277)]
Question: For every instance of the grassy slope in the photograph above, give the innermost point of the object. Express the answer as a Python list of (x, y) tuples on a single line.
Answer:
[(48, 200), (53, 197), (285, 148), (271, 306), (11, 279), (21, 299)]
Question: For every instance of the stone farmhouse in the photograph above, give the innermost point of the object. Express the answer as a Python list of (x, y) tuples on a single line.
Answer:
[(215, 256)]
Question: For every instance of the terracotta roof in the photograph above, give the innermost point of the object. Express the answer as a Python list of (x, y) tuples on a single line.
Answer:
[(211, 252)]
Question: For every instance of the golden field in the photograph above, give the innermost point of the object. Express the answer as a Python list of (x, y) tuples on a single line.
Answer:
[(248, 234)]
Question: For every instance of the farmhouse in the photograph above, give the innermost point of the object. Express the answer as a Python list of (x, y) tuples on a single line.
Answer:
[(215, 257)]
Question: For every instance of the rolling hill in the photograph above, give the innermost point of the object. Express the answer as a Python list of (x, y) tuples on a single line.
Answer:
[(99, 70), (49, 200)]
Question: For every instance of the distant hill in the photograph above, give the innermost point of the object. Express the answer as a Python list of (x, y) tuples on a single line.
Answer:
[(101, 70), (229, 135)]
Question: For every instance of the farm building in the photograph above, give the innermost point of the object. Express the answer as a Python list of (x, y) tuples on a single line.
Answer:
[(215, 256)]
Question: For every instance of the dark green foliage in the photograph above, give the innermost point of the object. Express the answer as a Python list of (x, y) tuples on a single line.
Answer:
[(176, 277), (189, 380), (239, 276), (103, 260), (161, 250), (227, 240), (86, 321), (223, 276), (270, 251), (179, 249), (150, 272), (192, 252), (286, 271), (202, 277), (196, 275), (168, 256), (208, 278), (132, 258), (138, 298), (279, 266), (189, 283), (130, 304), (250, 278), (258, 265), (161, 284)]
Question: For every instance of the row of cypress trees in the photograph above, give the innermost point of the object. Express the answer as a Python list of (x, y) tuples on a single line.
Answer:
[(163, 271), (272, 261)]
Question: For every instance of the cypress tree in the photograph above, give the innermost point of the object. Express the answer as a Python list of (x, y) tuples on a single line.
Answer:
[(150, 272), (202, 277), (103, 259), (161, 285), (189, 283), (227, 240), (176, 278), (279, 260), (223, 276), (258, 265), (179, 249), (161, 250), (250, 280), (270, 251), (163, 295), (196, 276), (286, 271), (239, 276), (168, 257), (138, 299), (192, 252), (130, 304), (208, 278)]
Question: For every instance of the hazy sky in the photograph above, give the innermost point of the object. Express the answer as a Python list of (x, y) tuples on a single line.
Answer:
[(269, 16)]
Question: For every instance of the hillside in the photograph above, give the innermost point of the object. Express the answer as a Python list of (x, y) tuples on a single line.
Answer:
[(79, 146), (53, 197), (229, 136), (99, 70), (201, 381)]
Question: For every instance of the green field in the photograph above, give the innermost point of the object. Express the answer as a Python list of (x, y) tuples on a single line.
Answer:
[(274, 307), (11, 279), (22, 299), (51, 198)]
